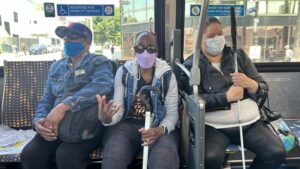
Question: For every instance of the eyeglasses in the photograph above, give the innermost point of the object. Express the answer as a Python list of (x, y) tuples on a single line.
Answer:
[(74, 36), (140, 49)]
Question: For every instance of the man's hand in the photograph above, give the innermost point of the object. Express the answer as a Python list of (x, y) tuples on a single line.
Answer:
[(235, 93), (151, 135), (46, 133), (55, 116), (106, 110)]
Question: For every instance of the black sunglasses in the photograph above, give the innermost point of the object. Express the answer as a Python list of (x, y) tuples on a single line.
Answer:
[(74, 36), (140, 49)]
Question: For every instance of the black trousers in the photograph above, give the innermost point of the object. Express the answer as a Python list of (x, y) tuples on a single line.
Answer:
[(258, 138), (39, 153)]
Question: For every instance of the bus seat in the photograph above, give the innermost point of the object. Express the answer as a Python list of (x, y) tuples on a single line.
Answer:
[(23, 86), (294, 124), (115, 64)]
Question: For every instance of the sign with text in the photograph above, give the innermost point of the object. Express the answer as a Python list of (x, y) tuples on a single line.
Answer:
[(218, 10), (254, 52), (85, 10)]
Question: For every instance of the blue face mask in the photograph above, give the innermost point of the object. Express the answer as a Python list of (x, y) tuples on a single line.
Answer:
[(72, 49)]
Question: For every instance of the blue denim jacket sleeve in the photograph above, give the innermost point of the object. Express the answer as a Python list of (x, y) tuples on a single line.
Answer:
[(46, 102), (101, 83)]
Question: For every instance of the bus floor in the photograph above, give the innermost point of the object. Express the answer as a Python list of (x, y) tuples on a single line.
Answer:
[(283, 167), (137, 165)]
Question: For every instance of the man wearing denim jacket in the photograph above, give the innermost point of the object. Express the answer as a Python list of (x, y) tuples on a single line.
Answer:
[(72, 85)]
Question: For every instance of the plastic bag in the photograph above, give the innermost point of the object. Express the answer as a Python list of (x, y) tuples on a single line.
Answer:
[(275, 122)]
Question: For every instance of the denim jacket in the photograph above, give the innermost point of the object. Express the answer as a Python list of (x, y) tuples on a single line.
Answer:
[(166, 115), (75, 86)]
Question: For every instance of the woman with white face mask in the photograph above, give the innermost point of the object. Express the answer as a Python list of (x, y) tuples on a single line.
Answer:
[(221, 87), (126, 113)]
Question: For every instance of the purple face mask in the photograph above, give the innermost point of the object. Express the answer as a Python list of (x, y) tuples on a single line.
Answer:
[(145, 59)]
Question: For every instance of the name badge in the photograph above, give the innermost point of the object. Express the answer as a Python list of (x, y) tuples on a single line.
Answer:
[(79, 72)]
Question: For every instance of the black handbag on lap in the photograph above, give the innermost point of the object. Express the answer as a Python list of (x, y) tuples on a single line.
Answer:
[(80, 125)]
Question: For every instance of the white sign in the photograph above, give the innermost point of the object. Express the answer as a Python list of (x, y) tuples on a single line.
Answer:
[(254, 52)]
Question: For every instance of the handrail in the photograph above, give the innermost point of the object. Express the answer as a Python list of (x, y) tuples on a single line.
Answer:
[(183, 68), (195, 79), (195, 71)]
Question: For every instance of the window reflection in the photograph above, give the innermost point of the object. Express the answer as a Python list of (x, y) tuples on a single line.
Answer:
[(25, 25), (267, 27), (135, 17)]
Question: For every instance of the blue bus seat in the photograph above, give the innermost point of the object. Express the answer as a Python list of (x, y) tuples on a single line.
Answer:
[(294, 124)]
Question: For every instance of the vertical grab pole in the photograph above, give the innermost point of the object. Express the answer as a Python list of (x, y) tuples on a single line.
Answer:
[(195, 71), (194, 81), (233, 35)]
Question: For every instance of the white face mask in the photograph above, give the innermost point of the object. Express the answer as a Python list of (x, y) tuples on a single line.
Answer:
[(215, 45)]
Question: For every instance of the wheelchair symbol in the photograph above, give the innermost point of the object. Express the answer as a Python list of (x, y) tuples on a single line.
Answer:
[(62, 11)]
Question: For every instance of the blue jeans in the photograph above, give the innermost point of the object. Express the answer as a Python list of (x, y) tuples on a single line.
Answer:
[(123, 141)]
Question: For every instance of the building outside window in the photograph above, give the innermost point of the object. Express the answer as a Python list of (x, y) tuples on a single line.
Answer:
[(16, 19), (135, 15), (267, 24)]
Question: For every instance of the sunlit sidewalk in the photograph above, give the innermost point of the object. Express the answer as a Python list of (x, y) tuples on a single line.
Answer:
[(12, 54), (20, 56)]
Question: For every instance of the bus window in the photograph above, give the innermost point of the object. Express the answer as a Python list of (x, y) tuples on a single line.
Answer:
[(27, 34), (135, 18), (267, 32)]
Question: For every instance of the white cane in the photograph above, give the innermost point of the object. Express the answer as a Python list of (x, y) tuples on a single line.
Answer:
[(240, 121), (233, 35), (146, 148), (147, 119)]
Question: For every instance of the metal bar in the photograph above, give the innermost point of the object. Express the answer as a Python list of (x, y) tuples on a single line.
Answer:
[(195, 71)]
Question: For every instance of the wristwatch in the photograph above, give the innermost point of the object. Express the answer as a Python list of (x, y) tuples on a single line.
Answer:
[(165, 129)]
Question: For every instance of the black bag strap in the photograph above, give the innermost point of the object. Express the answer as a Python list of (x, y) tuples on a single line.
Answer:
[(268, 115), (125, 79), (165, 83)]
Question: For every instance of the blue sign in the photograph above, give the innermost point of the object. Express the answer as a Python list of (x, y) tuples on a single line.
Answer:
[(85, 10), (218, 10), (251, 10)]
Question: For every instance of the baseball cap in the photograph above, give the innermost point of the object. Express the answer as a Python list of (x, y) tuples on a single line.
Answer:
[(77, 30)]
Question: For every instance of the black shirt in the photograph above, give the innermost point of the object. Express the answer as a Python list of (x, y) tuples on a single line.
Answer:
[(138, 109)]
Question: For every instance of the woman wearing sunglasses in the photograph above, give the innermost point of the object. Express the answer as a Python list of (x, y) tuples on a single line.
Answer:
[(126, 114)]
